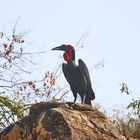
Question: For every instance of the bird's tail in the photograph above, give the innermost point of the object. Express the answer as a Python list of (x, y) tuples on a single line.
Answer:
[(89, 96)]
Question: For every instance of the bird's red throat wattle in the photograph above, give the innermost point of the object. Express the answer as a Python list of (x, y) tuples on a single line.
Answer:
[(68, 54)]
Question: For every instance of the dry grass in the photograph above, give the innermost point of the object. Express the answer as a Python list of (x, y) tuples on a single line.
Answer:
[(127, 126)]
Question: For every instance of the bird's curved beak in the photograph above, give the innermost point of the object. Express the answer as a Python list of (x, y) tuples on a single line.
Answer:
[(61, 48)]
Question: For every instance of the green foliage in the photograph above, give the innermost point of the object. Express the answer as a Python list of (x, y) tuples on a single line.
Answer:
[(135, 107), (128, 124), (124, 88), (10, 111), (16, 108)]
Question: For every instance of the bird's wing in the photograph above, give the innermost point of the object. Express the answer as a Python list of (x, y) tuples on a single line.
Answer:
[(64, 68), (84, 70)]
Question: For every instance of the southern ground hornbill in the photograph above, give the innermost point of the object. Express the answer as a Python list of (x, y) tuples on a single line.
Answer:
[(77, 75)]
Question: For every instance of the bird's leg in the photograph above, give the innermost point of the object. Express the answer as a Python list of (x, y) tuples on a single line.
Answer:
[(74, 93), (83, 98), (75, 96)]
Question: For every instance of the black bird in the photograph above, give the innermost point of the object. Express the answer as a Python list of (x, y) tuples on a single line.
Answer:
[(77, 75)]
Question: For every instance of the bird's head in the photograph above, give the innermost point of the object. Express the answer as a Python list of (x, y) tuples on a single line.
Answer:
[(69, 52)]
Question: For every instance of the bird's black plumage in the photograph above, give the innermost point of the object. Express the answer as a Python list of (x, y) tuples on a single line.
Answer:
[(77, 75), (79, 80)]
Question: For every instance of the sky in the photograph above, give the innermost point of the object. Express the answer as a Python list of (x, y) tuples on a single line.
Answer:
[(113, 29)]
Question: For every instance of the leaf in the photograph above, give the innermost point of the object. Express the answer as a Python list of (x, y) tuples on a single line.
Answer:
[(5, 46), (30, 83), (1, 34), (18, 109), (5, 101), (52, 82), (124, 88)]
